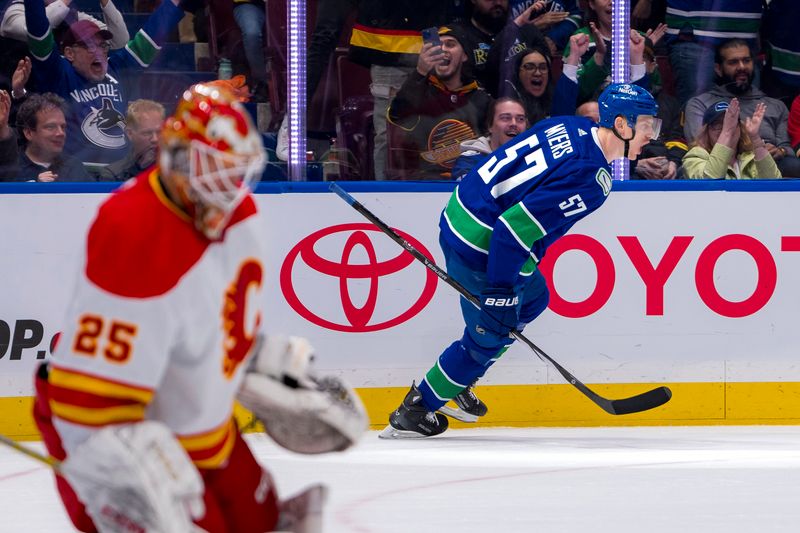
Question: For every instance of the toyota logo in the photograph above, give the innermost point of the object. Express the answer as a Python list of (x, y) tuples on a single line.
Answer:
[(359, 319)]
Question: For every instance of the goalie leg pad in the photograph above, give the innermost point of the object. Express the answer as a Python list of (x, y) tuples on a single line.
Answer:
[(136, 477)]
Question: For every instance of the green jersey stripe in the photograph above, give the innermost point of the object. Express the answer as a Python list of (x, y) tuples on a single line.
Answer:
[(466, 226), (528, 268), (738, 24), (787, 60), (523, 225), (41, 47), (477, 234), (713, 14), (440, 383), (142, 48)]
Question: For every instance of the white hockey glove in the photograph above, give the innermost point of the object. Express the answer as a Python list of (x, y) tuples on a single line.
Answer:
[(136, 477), (301, 412)]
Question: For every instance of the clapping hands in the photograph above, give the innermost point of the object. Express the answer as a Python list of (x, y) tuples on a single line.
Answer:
[(599, 45), (637, 47), (752, 125), (729, 136), (655, 34), (5, 108)]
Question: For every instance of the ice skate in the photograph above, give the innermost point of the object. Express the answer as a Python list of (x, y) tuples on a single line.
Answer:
[(411, 420), (469, 407), (302, 513)]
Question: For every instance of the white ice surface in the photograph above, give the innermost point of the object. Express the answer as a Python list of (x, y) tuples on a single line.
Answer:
[(594, 480)]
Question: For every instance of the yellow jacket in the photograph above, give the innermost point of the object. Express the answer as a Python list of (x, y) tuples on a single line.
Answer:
[(699, 164)]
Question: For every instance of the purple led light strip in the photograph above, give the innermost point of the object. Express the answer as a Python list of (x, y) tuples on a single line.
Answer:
[(296, 82), (620, 63)]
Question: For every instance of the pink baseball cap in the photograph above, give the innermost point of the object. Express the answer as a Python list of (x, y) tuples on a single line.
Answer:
[(83, 31)]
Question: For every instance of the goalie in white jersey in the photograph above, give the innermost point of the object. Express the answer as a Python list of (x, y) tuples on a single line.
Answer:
[(161, 336)]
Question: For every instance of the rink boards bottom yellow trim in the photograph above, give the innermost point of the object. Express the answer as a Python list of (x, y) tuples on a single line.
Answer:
[(555, 405)]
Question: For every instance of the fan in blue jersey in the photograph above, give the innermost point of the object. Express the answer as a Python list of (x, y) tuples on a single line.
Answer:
[(496, 228), (92, 78)]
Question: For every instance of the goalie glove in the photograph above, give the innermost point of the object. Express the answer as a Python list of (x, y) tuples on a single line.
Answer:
[(301, 412), (136, 477)]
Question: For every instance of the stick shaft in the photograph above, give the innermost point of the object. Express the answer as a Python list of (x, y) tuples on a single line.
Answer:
[(49, 461), (642, 402)]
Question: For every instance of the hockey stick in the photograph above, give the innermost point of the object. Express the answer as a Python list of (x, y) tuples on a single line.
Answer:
[(55, 464), (623, 406)]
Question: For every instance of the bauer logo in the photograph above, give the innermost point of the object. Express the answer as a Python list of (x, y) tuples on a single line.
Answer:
[(353, 278)]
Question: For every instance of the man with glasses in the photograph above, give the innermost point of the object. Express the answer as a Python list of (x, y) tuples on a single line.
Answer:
[(492, 40), (91, 78)]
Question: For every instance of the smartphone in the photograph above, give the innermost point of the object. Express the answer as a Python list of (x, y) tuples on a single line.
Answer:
[(431, 35), (536, 12)]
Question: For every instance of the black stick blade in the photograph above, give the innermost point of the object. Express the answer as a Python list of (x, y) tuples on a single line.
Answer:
[(641, 402)]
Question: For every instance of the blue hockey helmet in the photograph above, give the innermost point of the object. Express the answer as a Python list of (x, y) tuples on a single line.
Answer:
[(627, 100)]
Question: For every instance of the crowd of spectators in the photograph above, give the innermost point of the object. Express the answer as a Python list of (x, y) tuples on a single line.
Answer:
[(553, 58), (491, 69)]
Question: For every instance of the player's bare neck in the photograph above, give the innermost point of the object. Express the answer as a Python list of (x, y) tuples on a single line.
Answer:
[(612, 147)]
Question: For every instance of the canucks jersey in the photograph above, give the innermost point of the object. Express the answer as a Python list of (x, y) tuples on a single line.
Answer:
[(506, 212), (96, 117), (715, 21)]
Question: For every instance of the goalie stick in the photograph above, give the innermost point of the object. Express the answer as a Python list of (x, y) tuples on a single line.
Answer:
[(623, 406), (55, 464)]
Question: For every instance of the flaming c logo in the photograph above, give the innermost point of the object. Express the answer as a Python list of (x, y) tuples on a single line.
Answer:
[(358, 317)]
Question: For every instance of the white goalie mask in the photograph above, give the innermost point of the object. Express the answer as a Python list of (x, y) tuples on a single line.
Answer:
[(214, 155)]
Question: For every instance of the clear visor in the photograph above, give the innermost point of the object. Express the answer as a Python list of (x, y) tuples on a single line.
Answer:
[(648, 125), (221, 179)]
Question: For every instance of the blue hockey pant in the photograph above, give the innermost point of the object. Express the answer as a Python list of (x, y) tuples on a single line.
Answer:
[(468, 358)]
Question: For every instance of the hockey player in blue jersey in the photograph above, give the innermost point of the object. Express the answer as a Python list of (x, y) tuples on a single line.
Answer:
[(496, 228)]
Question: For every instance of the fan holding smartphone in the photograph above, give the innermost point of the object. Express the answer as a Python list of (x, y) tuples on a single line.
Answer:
[(438, 106), (432, 53)]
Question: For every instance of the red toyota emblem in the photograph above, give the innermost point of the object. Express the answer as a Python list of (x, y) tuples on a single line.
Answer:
[(358, 317)]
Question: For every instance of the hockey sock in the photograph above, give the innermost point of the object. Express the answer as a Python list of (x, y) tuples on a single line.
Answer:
[(453, 372)]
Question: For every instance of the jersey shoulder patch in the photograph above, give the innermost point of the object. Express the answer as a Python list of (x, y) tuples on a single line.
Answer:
[(603, 178)]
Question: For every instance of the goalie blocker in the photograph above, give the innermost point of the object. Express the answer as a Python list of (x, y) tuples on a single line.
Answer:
[(300, 411)]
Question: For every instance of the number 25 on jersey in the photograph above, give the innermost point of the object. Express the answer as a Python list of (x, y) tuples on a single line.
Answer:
[(112, 339)]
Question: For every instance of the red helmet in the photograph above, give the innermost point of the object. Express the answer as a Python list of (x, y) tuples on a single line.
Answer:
[(213, 153)]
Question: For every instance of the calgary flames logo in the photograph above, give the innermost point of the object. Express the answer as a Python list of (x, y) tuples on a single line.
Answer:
[(238, 340)]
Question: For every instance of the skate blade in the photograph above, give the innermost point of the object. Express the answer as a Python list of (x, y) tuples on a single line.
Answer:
[(394, 433), (458, 414)]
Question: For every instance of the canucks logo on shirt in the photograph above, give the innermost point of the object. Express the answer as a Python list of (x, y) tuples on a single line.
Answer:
[(444, 142), (105, 127)]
